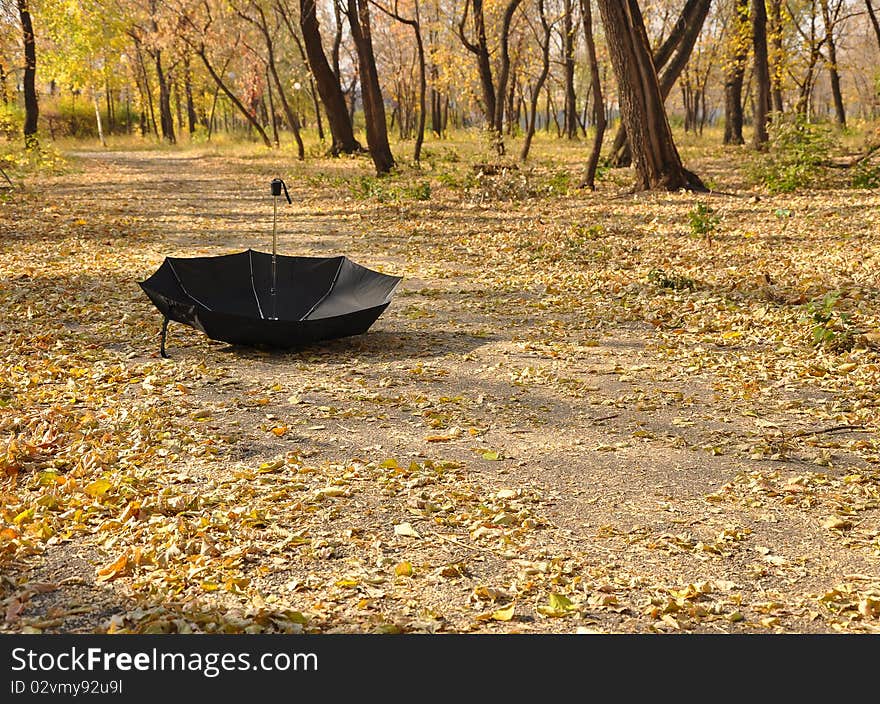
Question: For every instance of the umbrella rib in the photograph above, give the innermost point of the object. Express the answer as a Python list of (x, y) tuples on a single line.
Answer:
[(183, 288), (253, 286), (329, 291)]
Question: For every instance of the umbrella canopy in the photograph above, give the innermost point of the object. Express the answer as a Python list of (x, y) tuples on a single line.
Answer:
[(255, 298)]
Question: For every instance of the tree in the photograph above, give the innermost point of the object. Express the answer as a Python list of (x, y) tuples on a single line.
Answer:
[(671, 58), (326, 80), (570, 120), (199, 37), (493, 95), (415, 23), (544, 43), (738, 52), (831, 11), (598, 101), (257, 17), (31, 106), (374, 105), (762, 73), (657, 161)]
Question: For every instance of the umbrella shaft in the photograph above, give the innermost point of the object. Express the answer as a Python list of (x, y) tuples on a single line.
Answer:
[(274, 258)]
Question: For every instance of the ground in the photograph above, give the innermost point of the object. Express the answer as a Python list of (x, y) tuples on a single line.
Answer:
[(581, 412)]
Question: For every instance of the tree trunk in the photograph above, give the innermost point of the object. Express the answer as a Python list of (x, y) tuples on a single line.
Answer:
[(165, 117), (147, 90), (423, 89), (598, 100), (834, 76), (657, 161), (235, 101), (273, 117), (319, 121), (98, 118), (31, 106), (415, 23), (762, 73), (480, 49), (872, 13), (536, 89), (830, 22), (570, 105), (371, 93), (4, 89), (292, 119), (735, 75), (778, 55), (673, 54), (327, 82), (190, 106), (108, 101), (500, 92)]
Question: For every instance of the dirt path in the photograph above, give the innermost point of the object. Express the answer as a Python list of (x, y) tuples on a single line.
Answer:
[(504, 435)]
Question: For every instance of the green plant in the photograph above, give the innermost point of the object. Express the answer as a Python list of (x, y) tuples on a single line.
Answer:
[(384, 190), (421, 190), (672, 280), (866, 175), (559, 183), (796, 156), (831, 328), (703, 221)]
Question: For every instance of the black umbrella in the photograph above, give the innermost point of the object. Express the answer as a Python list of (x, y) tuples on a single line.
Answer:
[(255, 298)]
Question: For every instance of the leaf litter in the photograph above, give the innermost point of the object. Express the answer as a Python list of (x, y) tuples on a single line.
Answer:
[(540, 438)]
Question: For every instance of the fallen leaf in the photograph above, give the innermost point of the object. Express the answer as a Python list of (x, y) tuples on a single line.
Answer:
[(407, 530), (505, 613), (114, 569)]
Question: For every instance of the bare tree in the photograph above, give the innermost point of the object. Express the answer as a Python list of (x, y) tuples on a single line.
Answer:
[(31, 106), (762, 73), (326, 80), (599, 119), (657, 161), (544, 42), (415, 23), (671, 57), (570, 104), (831, 12), (738, 43), (371, 93), (258, 20)]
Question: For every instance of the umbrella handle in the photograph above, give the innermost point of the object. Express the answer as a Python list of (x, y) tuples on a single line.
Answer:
[(277, 185)]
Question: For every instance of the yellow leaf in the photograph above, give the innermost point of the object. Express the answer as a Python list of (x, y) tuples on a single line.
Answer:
[(491, 455), (560, 602), (23, 517), (113, 570), (271, 466), (406, 529), (836, 523), (347, 583), (403, 569), (279, 430), (210, 586), (98, 488), (504, 614)]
